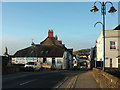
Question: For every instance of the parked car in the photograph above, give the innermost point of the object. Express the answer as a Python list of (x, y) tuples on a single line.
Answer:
[(46, 66), (83, 64), (32, 66)]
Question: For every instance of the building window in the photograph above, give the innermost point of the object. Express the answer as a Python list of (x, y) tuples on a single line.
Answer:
[(118, 63), (41, 52), (112, 45), (46, 52), (110, 62)]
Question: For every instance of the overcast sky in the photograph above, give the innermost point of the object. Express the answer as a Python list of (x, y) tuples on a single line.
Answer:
[(72, 22)]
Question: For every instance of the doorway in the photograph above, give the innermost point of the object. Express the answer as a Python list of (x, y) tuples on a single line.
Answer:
[(53, 61), (110, 62), (44, 60)]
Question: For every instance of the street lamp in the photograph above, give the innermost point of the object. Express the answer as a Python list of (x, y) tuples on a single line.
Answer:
[(103, 12)]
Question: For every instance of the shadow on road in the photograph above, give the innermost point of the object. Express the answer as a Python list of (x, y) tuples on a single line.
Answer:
[(42, 79)]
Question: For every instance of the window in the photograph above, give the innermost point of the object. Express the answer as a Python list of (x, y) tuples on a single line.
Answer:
[(46, 52), (41, 52), (118, 63), (110, 62), (32, 51), (112, 45)]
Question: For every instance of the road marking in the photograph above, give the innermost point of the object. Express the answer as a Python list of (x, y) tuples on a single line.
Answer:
[(70, 82), (76, 78), (61, 82), (27, 82)]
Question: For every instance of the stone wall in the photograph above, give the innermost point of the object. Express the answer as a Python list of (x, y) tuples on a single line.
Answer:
[(106, 80), (11, 69)]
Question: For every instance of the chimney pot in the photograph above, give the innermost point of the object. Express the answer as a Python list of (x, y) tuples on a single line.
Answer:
[(48, 33), (51, 33)]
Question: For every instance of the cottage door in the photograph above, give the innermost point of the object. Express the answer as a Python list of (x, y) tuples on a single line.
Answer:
[(111, 62), (53, 63)]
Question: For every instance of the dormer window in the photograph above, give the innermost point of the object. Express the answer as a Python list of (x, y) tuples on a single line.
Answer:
[(41, 52), (32, 51), (46, 52)]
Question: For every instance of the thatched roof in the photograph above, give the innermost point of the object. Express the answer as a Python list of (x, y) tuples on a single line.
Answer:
[(40, 51), (50, 47), (52, 41)]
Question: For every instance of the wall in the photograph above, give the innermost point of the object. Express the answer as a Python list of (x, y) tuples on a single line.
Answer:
[(99, 46), (60, 62), (23, 60), (110, 35), (107, 63), (19, 60), (106, 80), (67, 60), (70, 61)]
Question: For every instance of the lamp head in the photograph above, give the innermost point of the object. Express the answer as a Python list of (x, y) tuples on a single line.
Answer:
[(94, 9), (112, 10)]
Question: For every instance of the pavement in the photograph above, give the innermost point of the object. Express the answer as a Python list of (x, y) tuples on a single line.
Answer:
[(50, 79), (84, 80)]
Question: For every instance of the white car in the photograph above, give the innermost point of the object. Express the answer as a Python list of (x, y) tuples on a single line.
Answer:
[(32, 66)]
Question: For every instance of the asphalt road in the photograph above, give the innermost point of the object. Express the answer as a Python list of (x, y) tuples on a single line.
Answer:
[(44, 79)]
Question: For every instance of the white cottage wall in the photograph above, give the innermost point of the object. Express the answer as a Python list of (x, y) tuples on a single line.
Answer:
[(65, 60), (107, 63), (115, 63), (20, 60)]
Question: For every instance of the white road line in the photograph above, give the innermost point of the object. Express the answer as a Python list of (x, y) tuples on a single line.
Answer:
[(61, 82), (74, 84), (27, 82)]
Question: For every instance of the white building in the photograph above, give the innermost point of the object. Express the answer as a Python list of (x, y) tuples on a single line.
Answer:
[(112, 47), (50, 51)]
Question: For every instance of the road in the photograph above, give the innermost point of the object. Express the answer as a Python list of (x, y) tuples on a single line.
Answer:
[(42, 79)]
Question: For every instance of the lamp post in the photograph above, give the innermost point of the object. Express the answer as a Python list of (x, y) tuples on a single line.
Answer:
[(103, 12)]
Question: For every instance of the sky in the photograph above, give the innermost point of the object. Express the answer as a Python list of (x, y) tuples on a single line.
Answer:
[(72, 22)]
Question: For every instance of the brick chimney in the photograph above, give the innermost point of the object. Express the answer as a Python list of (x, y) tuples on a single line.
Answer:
[(50, 33)]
